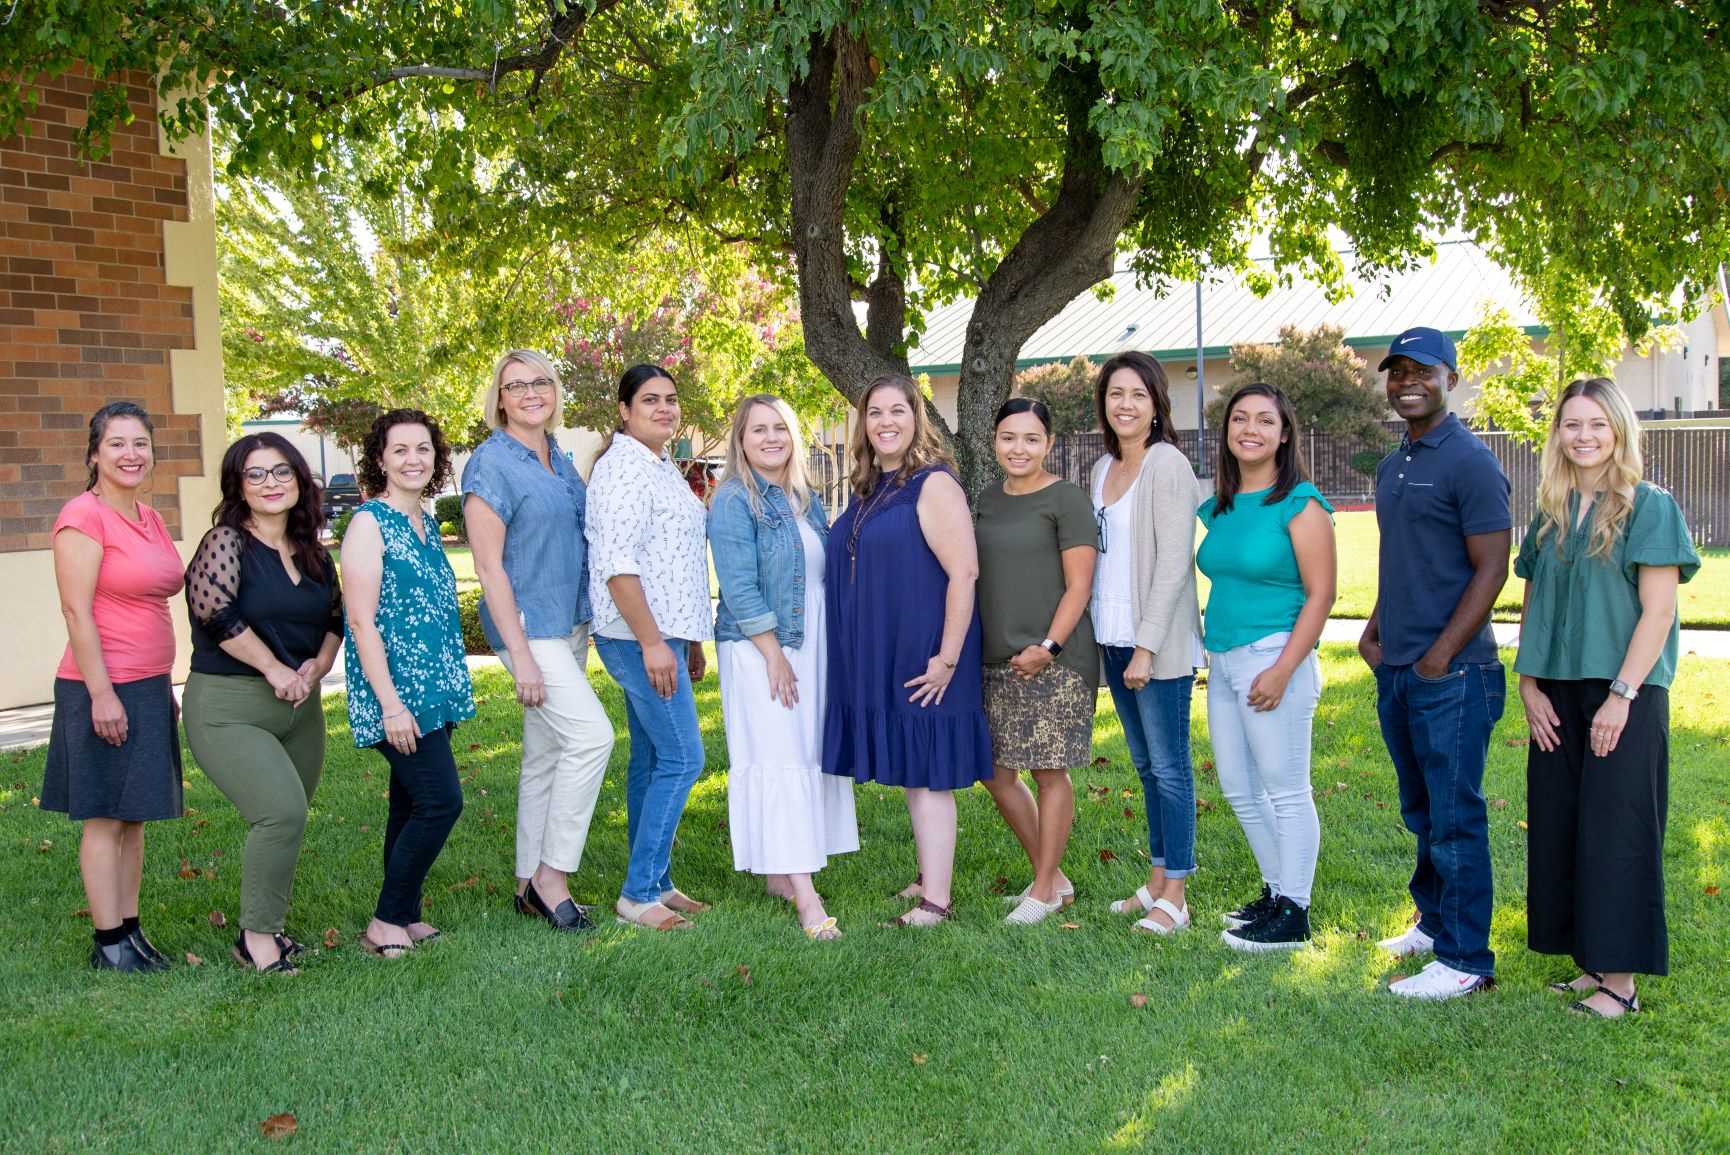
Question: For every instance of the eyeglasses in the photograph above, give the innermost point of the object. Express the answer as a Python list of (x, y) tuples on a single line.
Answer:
[(1099, 520), (282, 474), (519, 388)]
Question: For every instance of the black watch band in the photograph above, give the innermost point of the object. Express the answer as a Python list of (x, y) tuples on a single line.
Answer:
[(1055, 647)]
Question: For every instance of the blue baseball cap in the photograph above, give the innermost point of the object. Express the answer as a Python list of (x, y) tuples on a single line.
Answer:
[(1425, 346)]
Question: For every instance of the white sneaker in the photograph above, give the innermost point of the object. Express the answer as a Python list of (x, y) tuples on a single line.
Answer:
[(1030, 911), (1413, 942), (1440, 981)]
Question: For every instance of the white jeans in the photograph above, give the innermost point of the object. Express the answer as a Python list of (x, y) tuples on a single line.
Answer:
[(1263, 760), (566, 744)]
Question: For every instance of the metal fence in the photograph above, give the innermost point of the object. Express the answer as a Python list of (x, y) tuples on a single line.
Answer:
[(1692, 462)]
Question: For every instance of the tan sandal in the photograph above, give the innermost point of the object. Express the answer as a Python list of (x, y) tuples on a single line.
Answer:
[(385, 950), (644, 914), (676, 899)]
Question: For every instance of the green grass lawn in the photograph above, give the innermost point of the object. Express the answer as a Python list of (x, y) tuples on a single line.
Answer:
[(743, 1036), (1705, 600)]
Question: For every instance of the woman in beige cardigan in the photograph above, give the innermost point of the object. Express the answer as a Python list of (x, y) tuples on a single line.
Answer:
[(1145, 617)]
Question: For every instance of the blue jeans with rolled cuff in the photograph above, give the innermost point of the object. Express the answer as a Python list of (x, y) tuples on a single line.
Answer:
[(1155, 723), (1438, 733), (666, 758)]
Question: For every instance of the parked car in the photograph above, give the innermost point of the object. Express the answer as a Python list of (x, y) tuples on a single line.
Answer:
[(341, 494)]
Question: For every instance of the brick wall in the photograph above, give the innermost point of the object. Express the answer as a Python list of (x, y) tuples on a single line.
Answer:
[(86, 313)]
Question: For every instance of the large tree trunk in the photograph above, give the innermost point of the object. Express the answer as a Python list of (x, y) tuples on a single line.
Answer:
[(1070, 247)]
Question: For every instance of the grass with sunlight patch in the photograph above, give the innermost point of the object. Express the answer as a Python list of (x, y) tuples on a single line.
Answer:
[(741, 1035)]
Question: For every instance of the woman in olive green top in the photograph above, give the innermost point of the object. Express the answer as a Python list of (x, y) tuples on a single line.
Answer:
[(1598, 637), (1036, 538)]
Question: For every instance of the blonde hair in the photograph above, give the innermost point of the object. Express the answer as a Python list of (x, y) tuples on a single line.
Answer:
[(927, 447), (798, 484), (493, 404), (1558, 477)]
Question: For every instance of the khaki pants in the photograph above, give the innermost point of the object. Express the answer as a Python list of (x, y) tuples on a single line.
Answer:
[(566, 744)]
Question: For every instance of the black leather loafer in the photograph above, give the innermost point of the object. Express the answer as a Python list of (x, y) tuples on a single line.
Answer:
[(568, 917)]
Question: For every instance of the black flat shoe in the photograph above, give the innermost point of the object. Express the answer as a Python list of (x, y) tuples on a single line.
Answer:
[(148, 949), (124, 957), (282, 966), (568, 917)]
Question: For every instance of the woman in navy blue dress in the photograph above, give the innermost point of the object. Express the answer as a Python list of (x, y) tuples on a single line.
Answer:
[(904, 705)]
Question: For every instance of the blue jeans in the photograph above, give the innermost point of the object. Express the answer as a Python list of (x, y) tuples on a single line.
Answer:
[(666, 758), (1438, 734), (1155, 722)]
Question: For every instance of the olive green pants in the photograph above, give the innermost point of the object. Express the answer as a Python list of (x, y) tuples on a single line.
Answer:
[(265, 756)]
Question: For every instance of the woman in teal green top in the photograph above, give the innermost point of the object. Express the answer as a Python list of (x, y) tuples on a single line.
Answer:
[(1269, 554), (1602, 560), (408, 683)]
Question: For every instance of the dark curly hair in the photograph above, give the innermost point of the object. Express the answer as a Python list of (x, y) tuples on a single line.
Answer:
[(304, 520), (370, 468)]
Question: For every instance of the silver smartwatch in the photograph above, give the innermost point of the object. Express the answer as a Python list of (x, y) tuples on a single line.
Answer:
[(1623, 690)]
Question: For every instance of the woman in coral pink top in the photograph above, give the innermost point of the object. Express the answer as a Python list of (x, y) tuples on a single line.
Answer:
[(114, 751)]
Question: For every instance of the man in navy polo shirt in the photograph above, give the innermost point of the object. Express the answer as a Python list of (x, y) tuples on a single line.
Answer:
[(1442, 507)]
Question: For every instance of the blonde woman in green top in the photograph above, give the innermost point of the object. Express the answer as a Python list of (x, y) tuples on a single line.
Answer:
[(1602, 560)]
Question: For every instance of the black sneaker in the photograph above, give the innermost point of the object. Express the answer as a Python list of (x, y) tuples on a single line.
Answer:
[(1250, 912), (1287, 928), (122, 956)]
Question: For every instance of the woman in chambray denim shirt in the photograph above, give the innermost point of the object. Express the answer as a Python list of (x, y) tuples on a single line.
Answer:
[(768, 532), (523, 507)]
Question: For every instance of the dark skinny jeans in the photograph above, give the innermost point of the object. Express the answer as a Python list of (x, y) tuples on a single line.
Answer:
[(425, 800)]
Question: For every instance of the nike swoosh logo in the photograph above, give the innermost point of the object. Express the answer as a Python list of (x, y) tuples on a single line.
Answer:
[(1408, 340)]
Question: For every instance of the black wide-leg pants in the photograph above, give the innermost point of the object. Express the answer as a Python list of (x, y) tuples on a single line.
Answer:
[(1595, 838)]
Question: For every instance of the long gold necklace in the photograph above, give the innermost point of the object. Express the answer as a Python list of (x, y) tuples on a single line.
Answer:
[(865, 510)]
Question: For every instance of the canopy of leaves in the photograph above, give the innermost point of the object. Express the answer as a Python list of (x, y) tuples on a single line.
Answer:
[(909, 153), (1330, 386)]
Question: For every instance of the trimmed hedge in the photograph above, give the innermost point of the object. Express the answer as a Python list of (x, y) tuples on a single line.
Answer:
[(448, 510), (469, 611)]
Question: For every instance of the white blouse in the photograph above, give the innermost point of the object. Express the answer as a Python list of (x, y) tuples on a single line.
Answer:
[(1114, 576), (643, 519)]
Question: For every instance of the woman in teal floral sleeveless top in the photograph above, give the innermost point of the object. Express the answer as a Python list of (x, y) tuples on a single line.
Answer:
[(408, 683)]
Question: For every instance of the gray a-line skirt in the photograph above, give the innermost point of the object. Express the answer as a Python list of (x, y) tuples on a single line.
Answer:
[(136, 781)]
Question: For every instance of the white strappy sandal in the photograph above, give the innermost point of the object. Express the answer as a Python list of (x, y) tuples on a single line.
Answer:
[(1142, 896), (1179, 918)]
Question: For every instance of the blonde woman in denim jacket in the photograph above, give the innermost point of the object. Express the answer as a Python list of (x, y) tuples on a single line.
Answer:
[(768, 531)]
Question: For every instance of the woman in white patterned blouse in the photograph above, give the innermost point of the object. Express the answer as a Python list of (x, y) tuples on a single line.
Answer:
[(649, 582)]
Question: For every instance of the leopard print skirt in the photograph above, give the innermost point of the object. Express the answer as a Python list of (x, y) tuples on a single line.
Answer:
[(1042, 724)]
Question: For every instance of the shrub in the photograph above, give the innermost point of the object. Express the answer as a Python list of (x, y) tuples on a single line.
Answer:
[(1067, 391), (340, 525), (449, 512), (469, 612), (1364, 461)]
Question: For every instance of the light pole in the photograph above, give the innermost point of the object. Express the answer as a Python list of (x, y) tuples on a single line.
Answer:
[(1200, 388)]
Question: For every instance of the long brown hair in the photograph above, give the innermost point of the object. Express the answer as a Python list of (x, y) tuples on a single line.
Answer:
[(304, 520), (1288, 457), (1152, 375), (927, 447)]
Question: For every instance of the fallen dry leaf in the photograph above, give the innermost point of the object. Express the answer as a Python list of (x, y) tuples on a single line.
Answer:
[(186, 870), (1712, 890), (473, 746), (45, 846), (919, 1058), (999, 885), (218, 919), (366, 830), (1069, 926), (279, 1126), (1514, 741), (744, 973), (1102, 761), (331, 938), (1207, 764), (81, 912), (465, 884), (193, 960), (1108, 856), (1128, 813), (1523, 825), (1204, 804), (1499, 803), (1363, 936), (1138, 1000)]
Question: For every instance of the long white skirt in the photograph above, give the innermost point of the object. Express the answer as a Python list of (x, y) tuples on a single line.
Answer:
[(784, 814)]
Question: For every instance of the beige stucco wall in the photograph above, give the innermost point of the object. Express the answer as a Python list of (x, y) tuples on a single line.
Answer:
[(35, 634)]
